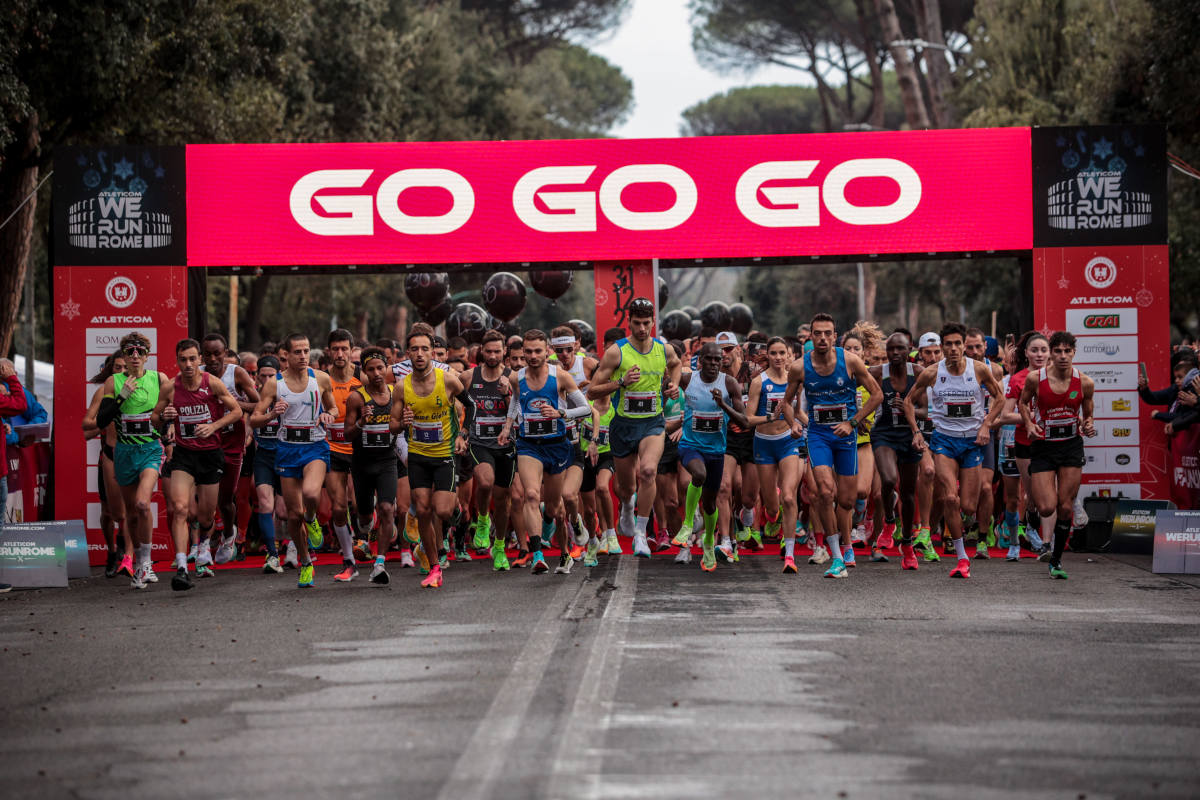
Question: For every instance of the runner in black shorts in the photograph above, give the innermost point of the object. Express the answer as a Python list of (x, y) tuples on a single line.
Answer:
[(268, 492), (666, 501), (739, 481)]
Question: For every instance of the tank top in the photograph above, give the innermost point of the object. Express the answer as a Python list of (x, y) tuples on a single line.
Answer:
[(533, 424), (374, 441), (337, 430), (1016, 385), (434, 424), (956, 401), (490, 399), (133, 425), (891, 411), (600, 435), (1008, 433), (196, 407), (576, 368), (299, 424), (267, 437), (1058, 413), (642, 400), (233, 435), (704, 422), (864, 436), (832, 398)]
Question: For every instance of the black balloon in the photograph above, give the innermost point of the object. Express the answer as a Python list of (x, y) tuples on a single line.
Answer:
[(504, 296), (551, 284), (741, 319), (426, 289), (509, 329), (664, 293), (438, 314), (587, 334), (691, 311), (676, 325), (696, 327), (468, 321), (715, 315)]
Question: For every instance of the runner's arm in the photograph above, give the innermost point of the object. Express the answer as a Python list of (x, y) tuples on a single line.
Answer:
[(91, 420), (988, 379), (165, 396), (753, 396), (795, 381), (1088, 407), (910, 411), (576, 400), (354, 405), (264, 410), (328, 401), (222, 393), (1025, 405), (674, 368), (858, 371), (736, 411), (245, 384), (602, 384)]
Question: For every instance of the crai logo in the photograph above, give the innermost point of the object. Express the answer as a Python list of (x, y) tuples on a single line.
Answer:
[(1102, 321)]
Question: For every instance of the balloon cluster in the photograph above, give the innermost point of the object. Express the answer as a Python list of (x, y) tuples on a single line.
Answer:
[(503, 301), (688, 321)]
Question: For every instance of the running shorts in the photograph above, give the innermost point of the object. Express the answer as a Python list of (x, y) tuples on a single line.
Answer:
[(555, 454), (291, 459), (129, 460), (425, 472), (714, 465), (625, 434), (1052, 456), (838, 453), (960, 448)]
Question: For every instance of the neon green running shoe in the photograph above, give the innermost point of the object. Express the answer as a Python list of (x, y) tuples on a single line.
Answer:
[(931, 554), (771, 530), (1057, 571), (922, 540), (743, 533), (708, 561), (681, 538), (316, 537), (593, 549), (483, 533), (499, 559), (306, 576)]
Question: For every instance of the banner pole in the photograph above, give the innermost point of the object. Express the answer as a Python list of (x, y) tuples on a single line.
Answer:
[(233, 313)]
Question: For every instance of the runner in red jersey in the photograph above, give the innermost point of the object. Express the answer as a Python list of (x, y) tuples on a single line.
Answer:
[(1053, 424)]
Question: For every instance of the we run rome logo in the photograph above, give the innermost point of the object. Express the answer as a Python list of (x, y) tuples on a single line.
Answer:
[(115, 217)]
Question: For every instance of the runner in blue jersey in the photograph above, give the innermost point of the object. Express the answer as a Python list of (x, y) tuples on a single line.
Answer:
[(830, 378), (710, 400)]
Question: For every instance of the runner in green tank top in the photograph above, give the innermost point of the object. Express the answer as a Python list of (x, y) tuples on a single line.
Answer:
[(640, 370)]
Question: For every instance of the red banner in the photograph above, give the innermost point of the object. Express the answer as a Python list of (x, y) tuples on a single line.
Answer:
[(1185, 468), (607, 199), (95, 307), (617, 284), (1115, 300)]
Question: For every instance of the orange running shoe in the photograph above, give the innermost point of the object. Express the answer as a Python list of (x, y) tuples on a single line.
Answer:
[(523, 559), (963, 570), (789, 565), (434, 581), (576, 552)]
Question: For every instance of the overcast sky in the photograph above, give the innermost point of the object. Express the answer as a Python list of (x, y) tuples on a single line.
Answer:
[(653, 47)]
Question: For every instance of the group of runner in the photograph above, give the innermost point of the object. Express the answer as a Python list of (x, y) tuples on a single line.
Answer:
[(523, 444)]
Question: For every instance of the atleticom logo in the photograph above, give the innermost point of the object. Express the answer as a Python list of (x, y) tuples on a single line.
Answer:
[(1100, 272), (120, 292)]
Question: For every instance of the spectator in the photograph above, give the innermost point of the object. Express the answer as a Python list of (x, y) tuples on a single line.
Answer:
[(33, 414), (11, 404), (1180, 413)]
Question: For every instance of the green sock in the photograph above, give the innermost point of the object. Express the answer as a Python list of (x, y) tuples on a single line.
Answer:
[(484, 521), (710, 530), (691, 503)]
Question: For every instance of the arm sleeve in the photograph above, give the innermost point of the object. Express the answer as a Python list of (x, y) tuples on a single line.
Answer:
[(514, 410), (109, 411), (1163, 397), (579, 405)]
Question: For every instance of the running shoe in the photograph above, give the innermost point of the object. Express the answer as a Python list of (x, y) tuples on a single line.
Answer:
[(948, 545), (755, 542), (789, 565), (963, 570), (877, 556), (406, 560), (708, 559), (589, 556), (271, 565), (820, 555), (908, 557), (126, 567), (203, 553), (434, 581), (444, 559), (539, 564), (922, 541), (685, 534), (886, 538), (1014, 553), (139, 577), (483, 534), (1079, 519), (316, 537), (226, 551), (981, 549), (564, 565), (662, 542), (1045, 554), (1057, 571), (204, 571), (411, 532), (182, 581), (151, 575), (379, 574), (422, 559), (848, 558), (743, 533), (736, 552), (641, 547), (581, 532), (770, 530), (931, 554), (858, 534), (192, 554), (625, 520), (576, 552), (724, 552), (110, 564), (290, 558), (602, 547), (990, 539), (463, 556), (523, 560), (362, 550), (837, 569), (349, 572), (614, 544), (684, 556), (499, 559)]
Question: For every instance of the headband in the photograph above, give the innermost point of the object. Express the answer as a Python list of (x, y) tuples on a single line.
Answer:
[(562, 341)]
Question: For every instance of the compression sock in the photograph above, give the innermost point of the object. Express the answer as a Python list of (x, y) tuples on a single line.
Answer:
[(789, 547), (691, 503), (345, 540), (746, 516), (710, 529), (535, 543), (1062, 532), (960, 548), (266, 529), (833, 542)]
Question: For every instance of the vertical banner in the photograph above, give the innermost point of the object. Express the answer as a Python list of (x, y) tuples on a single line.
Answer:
[(94, 307), (1185, 468), (1115, 301), (617, 284)]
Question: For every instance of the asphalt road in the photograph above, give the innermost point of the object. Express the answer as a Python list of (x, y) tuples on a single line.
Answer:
[(642, 679)]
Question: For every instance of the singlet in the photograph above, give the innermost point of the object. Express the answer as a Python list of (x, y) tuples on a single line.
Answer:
[(890, 415), (864, 436), (704, 422), (434, 424), (337, 430), (196, 407), (299, 424), (533, 424), (1058, 413), (1008, 433), (267, 437), (576, 368), (770, 395), (643, 400), (133, 425), (233, 436), (374, 442), (1016, 385), (600, 435), (491, 407), (956, 401), (832, 398), (402, 368)]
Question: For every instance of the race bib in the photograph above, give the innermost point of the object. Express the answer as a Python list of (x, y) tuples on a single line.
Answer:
[(189, 422), (707, 421), (270, 430), (829, 415), (602, 436), (336, 432), (1061, 430), (427, 432), (136, 424), (572, 431), (959, 410), (540, 426), (640, 402), (376, 434), (488, 427), (298, 434), (773, 401)]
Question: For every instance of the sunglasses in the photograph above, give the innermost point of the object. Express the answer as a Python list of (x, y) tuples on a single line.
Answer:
[(564, 350), (136, 350)]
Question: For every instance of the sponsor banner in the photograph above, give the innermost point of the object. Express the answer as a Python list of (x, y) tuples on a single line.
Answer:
[(94, 307), (609, 199), (617, 284), (1185, 468), (1176, 542), (33, 555), (1102, 184), (1105, 489), (1115, 300), (28, 479), (120, 204), (75, 541), (1101, 321)]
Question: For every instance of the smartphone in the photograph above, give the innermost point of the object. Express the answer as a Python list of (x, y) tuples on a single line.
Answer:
[(1009, 341), (1142, 370)]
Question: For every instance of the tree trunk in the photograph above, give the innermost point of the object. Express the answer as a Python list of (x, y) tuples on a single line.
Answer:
[(870, 290), (255, 302), (937, 69), (18, 180), (906, 74), (874, 116)]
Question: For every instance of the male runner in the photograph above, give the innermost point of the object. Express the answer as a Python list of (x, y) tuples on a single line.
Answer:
[(929, 498), (193, 403), (374, 463), (567, 353), (895, 457), (341, 453), (1056, 407), (542, 396), (830, 377), (640, 370), (298, 399), (711, 399), (740, 477), (268, 491), (976, 348), (961, 430)]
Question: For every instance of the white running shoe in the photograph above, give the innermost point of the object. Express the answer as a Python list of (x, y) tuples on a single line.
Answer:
[(614, 544), (820, 555), (625, 519), (192, 555), (641, 547), (290, 559), (379, 575), (859, 534), (151, 576), (139, 577), (271, 565), (204, 553), (1079, 518), (226, 551), (581, 533), (684, 556), (406, 560)]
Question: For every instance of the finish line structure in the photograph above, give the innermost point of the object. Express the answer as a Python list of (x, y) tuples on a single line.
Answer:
[(134, 226)]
